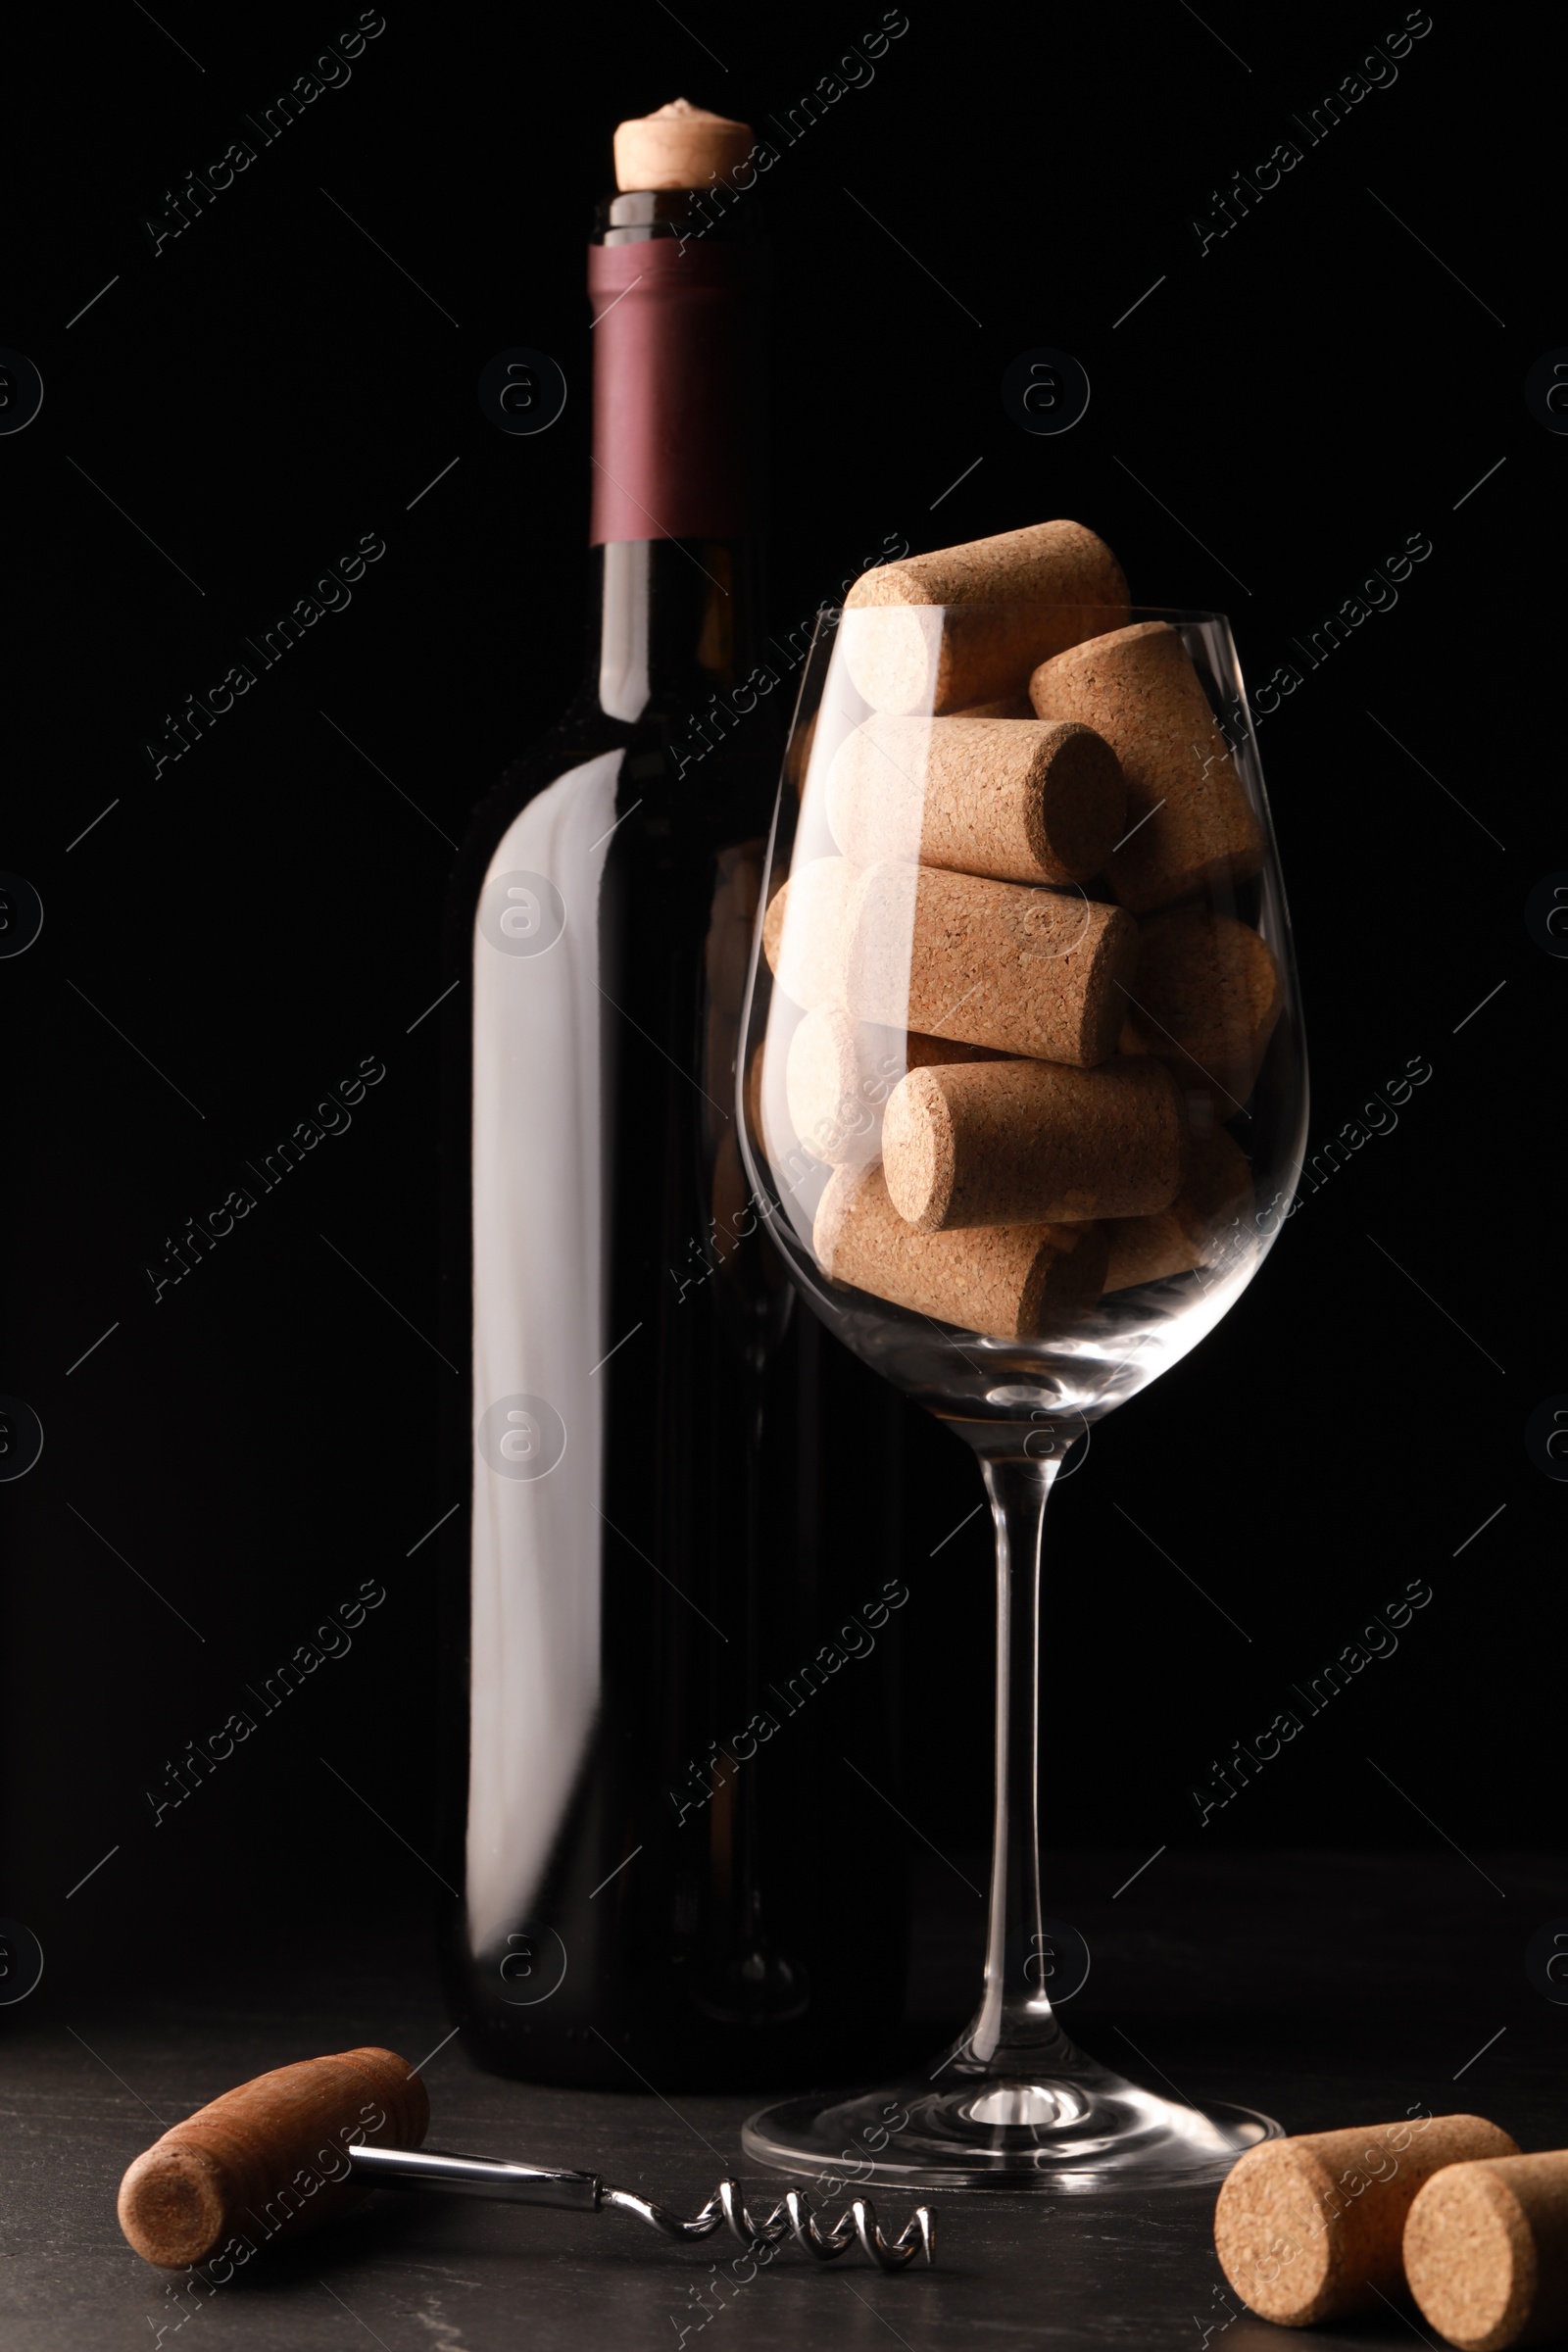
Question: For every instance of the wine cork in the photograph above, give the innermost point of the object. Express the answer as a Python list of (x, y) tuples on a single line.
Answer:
[(1486, 2251), (1020, 799), (1207, 996), (1010, 1281), (1216, 1188), (1190, 824), (803, 930), (840, 1074), (1018, 1143), (271, 2155), (1028, 971), (1309, 2230), (1021, 597), (681, 146)]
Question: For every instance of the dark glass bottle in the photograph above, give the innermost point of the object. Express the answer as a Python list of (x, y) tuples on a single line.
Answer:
[(659, 1636)]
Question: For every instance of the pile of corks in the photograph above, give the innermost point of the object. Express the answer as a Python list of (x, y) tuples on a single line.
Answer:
[(1029, 1010), (1444, 2208)]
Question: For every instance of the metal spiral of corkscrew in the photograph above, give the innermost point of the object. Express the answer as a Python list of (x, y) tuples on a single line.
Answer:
[(545, 2185), (791, 2217)]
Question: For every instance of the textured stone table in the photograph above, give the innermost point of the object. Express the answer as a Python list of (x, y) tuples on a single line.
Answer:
[(1324, 1989)]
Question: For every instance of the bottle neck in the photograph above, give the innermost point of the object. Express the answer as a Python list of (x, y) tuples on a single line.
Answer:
[(675, 614), (671, 622)]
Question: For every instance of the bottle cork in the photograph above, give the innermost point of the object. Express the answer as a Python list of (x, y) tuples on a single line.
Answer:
[(1309, 2230), (1023, 596), (803, 930), (1205, 998), (1486, 2251), (840, 1073), (1217, 1188), (1027, 971), (1009, 1282), (681, 146), (1190, 824), (1017, 1142), (1020, 799)]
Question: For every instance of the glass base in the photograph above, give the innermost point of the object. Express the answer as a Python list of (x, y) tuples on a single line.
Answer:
[(1073, 2129)]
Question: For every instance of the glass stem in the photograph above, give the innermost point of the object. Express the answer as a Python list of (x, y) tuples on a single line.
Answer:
[(1015, 2027)]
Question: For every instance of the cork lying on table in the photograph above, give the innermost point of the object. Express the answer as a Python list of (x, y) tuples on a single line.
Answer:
[(1486, 2251), (1207, 998), (840, 1073), (1189, 823), (1020, 799), (1028, 971), (803, 930), (1010, 1142), (905, 655), (1217, 1188), (1010, 1281), (1309, 2230)]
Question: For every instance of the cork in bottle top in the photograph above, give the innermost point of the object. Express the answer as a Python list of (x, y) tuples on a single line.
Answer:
[(1041, 972), (1010, 1281), (1309, 2230), (681, 146), (1012, 1143), (1019, 598), (1486, 2251), (1189, 823), (1019, 799)]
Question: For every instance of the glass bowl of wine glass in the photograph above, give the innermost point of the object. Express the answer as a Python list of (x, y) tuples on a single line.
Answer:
[(1023, 1105)]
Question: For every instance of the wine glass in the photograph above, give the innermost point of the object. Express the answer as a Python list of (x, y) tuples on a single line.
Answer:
[(1023, 1102)]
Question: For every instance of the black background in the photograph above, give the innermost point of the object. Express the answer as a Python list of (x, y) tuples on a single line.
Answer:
[(1275, 419)]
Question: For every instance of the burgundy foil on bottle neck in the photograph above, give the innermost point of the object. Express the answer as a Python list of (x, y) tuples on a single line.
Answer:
[(669, 451)]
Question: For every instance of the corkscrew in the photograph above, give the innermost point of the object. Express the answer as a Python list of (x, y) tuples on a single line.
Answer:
[(301, 2145), (539, 2184)]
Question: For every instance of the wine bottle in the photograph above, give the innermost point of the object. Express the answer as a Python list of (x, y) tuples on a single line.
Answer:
[(658, 1648)]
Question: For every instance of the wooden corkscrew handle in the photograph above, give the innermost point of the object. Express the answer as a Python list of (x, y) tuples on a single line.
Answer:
[(268, 2156)]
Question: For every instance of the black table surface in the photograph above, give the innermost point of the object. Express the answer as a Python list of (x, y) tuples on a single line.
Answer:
[(1326, 1989)]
